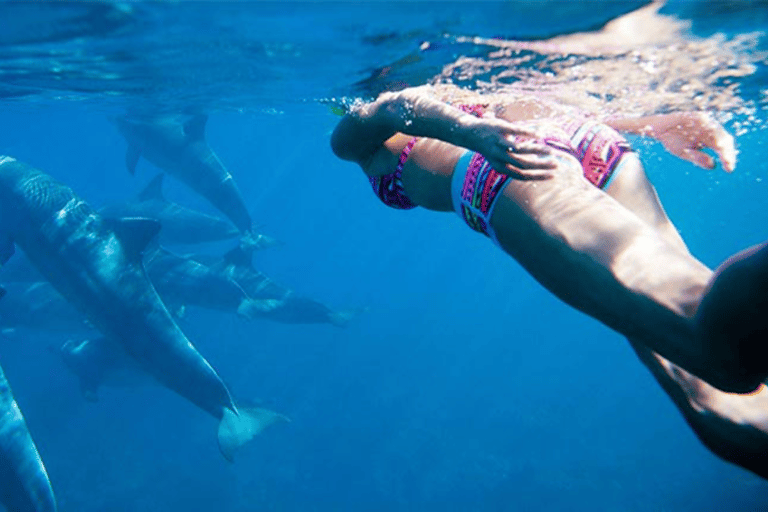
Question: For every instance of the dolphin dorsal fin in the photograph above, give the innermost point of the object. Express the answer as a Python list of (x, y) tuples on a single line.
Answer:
[(132, 156), (239, 257), (194, 128), (153, 190), (135, 233)]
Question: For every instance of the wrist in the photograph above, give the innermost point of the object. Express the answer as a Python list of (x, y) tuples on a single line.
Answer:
[(645, 126), (466, 130)]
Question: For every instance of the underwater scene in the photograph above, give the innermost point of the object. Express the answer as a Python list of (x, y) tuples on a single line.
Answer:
[(204, 307)]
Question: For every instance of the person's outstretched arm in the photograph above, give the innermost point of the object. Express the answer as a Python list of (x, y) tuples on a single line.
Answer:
[(684, 134), (414, 111)]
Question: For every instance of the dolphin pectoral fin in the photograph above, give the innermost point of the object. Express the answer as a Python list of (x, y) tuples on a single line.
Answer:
[(6, 249), (179, 311), (3, 291), (237, 428), (194, 128), (251, 308), (153, 190), (132, 158), (135, 233), (240, 256)]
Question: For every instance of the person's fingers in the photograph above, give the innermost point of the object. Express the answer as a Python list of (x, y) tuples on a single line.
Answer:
[(715, 136), (529, 147), (522, 169), (725, 147), (533, 160), (698, 158), (527, 174)]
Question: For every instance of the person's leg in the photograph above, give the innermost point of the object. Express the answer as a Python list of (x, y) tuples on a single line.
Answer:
[(734, 427), (631, 187), (735, 307), (600, 257), (736, 303)]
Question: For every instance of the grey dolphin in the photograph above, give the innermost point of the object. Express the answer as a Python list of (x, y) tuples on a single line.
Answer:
[(288, 306), (97, 266), (24, 483), (38, 306), (99, 361), (181, 225), (179, 148), (183, 281)]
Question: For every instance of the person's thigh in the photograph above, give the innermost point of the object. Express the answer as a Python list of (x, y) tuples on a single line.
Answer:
[(630, 186)]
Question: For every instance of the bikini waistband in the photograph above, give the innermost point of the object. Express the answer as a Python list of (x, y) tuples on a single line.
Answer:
[(475, 188), (457, 180)]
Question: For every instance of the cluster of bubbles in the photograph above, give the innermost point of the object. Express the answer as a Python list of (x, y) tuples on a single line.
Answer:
[(676, 72)]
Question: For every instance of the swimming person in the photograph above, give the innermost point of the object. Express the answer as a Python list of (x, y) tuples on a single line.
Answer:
[(569, 200)]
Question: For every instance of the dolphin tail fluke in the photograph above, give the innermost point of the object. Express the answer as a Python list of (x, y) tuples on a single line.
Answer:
[(252, 308), (238, 427), (343, 317)]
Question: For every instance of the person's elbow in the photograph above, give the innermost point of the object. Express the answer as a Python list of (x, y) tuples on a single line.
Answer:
[(341, 144)]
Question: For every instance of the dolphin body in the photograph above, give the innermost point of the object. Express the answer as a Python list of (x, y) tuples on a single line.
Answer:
[(100, 361), (96, 265), (183, 281), (181, 225), (38, 306), (287, 306), (24, 484), (180, 149)]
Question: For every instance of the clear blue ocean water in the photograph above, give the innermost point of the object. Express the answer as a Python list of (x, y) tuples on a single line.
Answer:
[(465, 386)]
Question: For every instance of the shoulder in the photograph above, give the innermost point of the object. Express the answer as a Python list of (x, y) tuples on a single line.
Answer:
[(361, 133)]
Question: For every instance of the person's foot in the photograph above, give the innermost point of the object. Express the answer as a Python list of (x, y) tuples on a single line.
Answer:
[(732, 320)]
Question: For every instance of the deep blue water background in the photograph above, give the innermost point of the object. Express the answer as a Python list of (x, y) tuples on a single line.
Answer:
[(465, 386)]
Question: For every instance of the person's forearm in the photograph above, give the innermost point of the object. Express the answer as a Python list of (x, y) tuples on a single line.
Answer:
[(414, 112), (645, 126)]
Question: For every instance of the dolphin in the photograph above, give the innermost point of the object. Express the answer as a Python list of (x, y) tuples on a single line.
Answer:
[(178, 147), (24, 483), (287, 306), (181, 225), (38, 306), (100, 361), (183, 281), (96, 265)]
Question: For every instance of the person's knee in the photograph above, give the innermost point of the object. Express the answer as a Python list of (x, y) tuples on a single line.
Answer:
[(741, 445)]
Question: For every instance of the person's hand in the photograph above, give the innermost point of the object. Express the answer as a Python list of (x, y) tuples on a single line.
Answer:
[(687, 134), (512, 149)]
